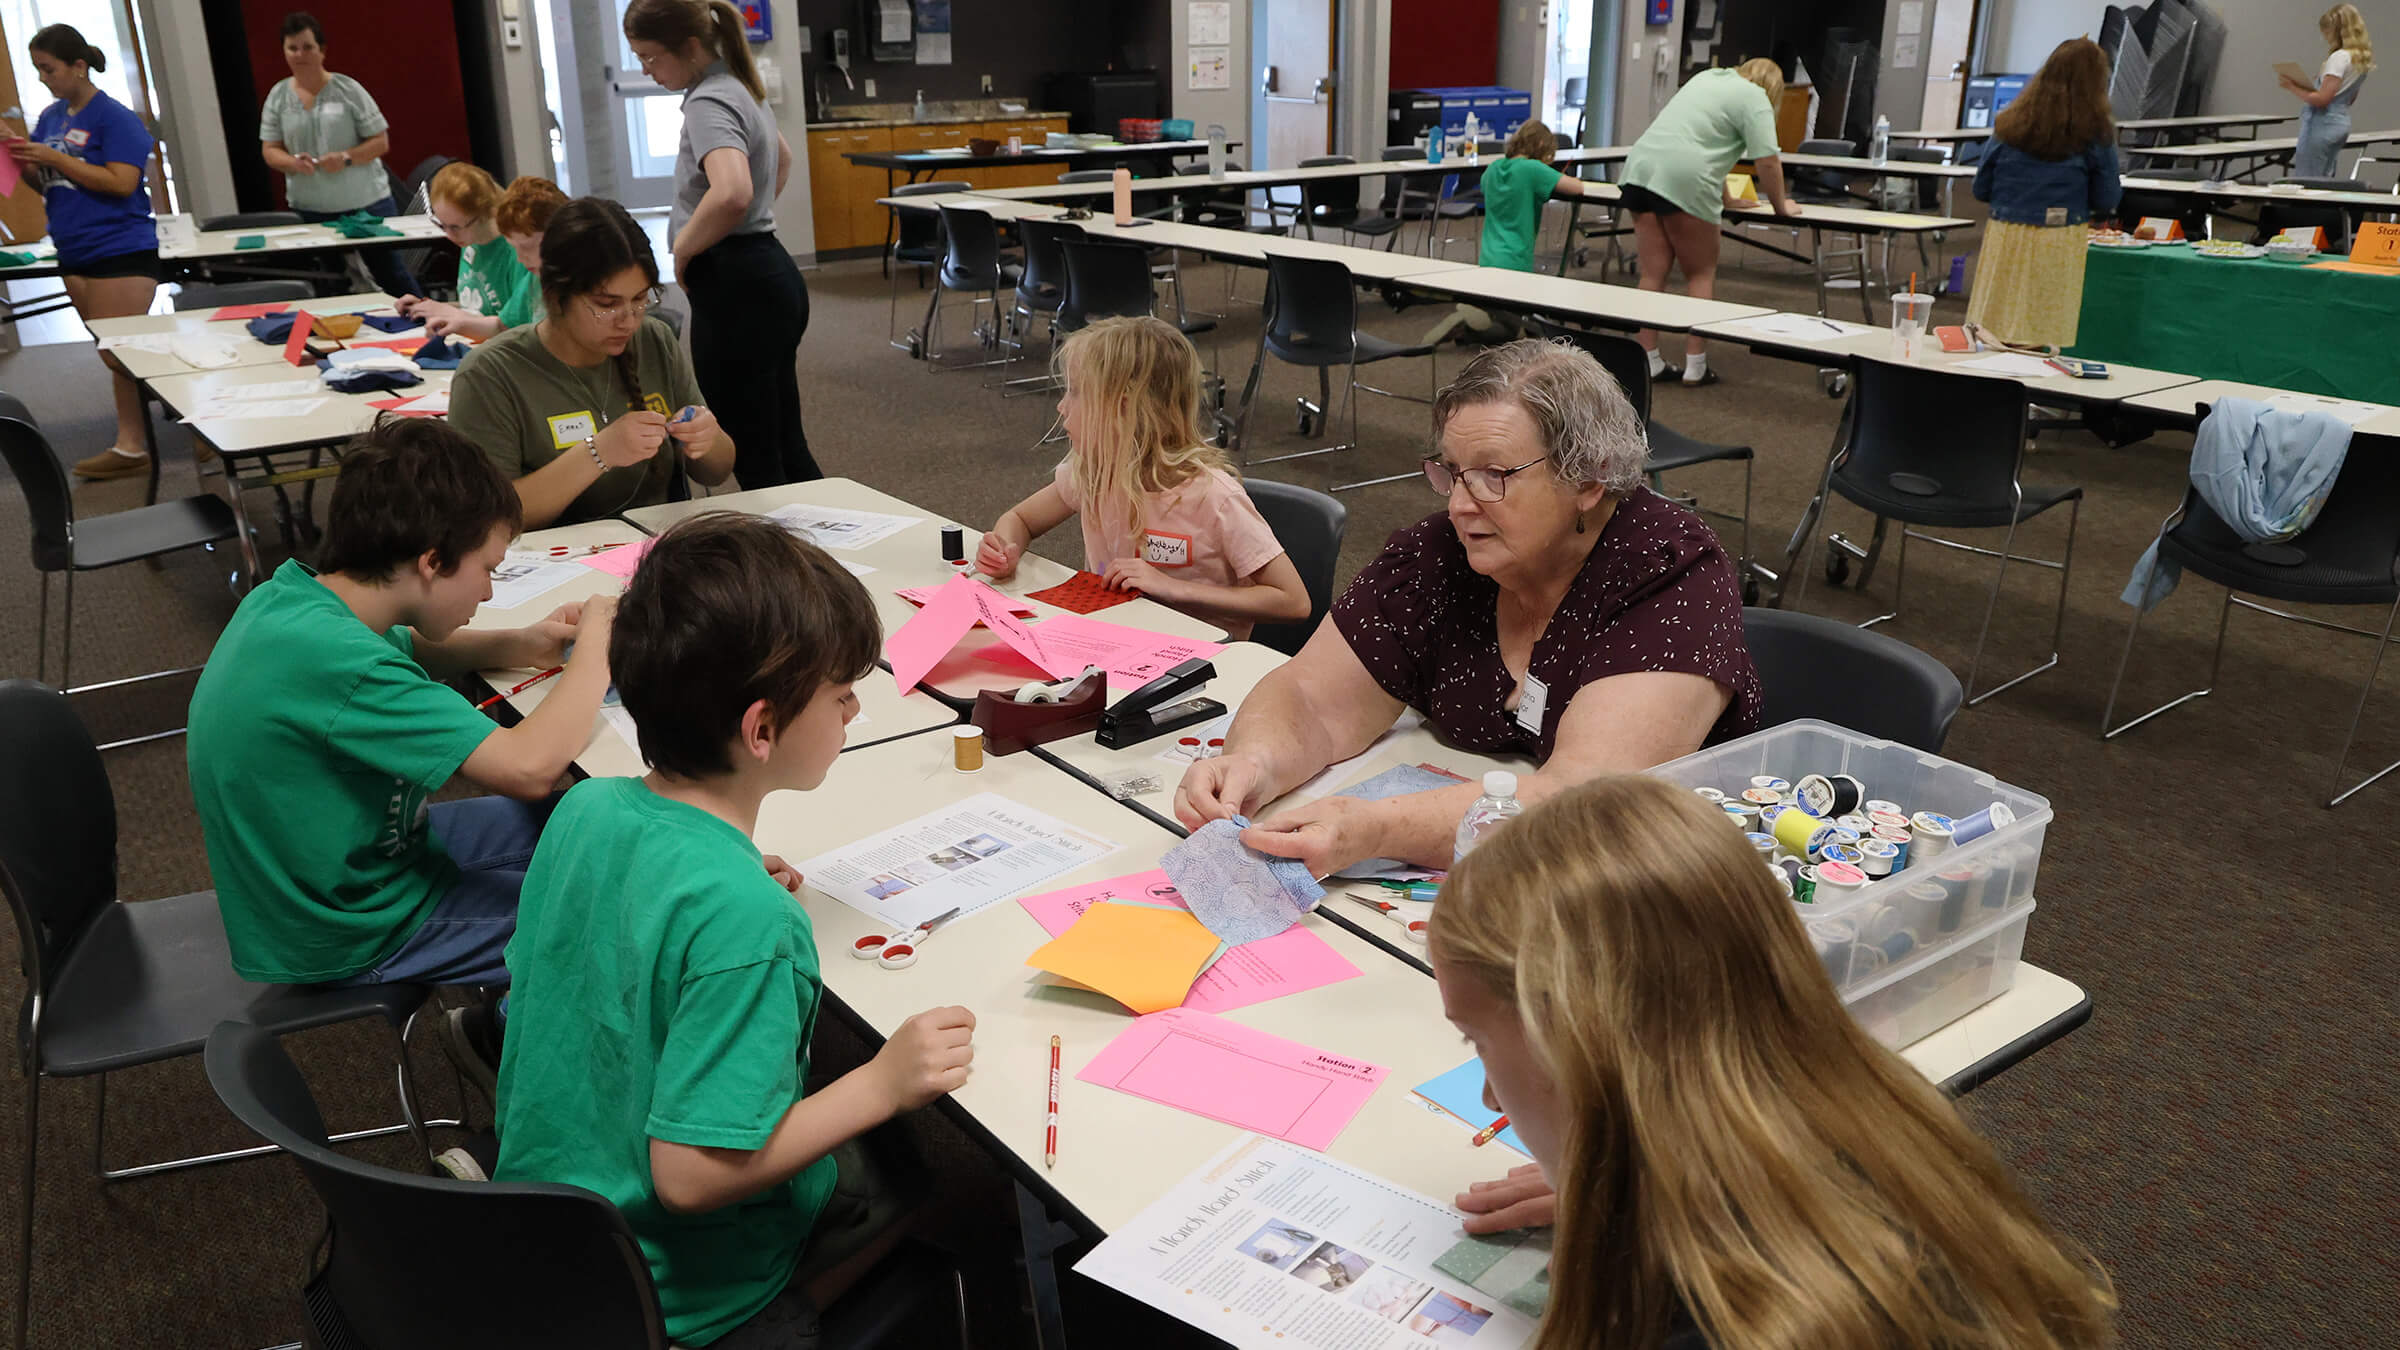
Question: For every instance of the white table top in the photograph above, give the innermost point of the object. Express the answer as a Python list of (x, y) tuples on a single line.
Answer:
[(1372, 263), (2273, 145), (2195, 123), (1241, 179), (2037, 999), (1115, 1151), (959, 154), (248, 351), (2378, 201), (999, 208), (339, 418), (220, 244), (1237, 245), (1626, 306), (1850, 345), (2182, 400), (912, 558), (1890, 168), (883, 713)]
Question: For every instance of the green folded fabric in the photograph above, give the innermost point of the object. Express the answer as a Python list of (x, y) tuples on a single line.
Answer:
[(363, 225), (9, 259), (250, 241)]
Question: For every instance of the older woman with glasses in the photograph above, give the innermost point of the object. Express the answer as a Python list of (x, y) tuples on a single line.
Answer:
[(592, 409), (1556, 609)]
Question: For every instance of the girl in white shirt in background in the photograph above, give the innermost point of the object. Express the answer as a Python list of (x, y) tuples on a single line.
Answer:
[(2325, 121)]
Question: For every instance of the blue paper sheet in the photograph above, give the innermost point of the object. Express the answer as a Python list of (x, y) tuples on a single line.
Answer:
[(1237, 892), (1460, 1092)]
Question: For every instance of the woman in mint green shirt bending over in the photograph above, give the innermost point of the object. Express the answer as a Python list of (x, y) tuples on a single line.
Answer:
[(666, 982), (1675, 184), (495, 292)]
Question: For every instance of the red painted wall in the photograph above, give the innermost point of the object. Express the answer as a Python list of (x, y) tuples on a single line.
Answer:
[(1436, 44), (405, 54)]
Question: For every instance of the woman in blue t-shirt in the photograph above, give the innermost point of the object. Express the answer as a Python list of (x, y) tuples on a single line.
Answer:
[(87, 156)]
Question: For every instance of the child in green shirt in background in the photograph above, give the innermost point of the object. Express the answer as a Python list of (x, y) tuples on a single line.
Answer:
[(1515, 189), (495, 291), (666, 982)]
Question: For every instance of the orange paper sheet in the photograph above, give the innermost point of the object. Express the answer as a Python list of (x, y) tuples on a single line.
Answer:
[(2340, 265), (1144, 958)]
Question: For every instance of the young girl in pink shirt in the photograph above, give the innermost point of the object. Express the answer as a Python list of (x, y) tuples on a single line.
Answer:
[(1162, 512)]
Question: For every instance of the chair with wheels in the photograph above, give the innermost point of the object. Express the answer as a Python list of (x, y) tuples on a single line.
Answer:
[(1333, 204), (1947, 451), (1310, 525), (2274, 217), (1105, 279), (2349, 555), (1312, 320), (1872, 683), (113, 985), (917, 240), (1410, 197), (1571, 97), (553, 1264), (1041, 290), (971, 262), (1166, 264), (63, 543), (1670, 449)]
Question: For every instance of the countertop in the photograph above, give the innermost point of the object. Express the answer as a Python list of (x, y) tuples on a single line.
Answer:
[(933, 120)]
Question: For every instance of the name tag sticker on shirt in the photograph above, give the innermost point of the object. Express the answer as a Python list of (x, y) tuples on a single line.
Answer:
[(1531, 704), (79, 138), (2056, 215), (1161, 549), (570, 428)]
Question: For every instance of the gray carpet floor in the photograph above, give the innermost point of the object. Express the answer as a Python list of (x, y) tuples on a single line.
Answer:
[(2220, 1134)]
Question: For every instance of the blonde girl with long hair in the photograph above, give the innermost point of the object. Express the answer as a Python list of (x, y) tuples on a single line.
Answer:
[(1162, 511), (1734, 1161), (2325, 116)]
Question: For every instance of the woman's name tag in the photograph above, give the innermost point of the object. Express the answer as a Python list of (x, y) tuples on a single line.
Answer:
[(1531, 704), (569, 428)]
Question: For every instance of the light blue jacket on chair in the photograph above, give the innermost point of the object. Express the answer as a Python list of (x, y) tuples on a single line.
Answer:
[(2265, 473)]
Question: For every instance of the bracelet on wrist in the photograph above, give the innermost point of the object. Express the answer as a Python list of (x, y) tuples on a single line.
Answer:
[(591, 446)]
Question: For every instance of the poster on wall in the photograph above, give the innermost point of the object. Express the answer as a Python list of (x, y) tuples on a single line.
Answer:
[(933, 32), (1210, 23), (1212, 68)]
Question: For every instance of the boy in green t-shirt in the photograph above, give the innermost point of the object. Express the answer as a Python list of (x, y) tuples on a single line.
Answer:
[(320, 728), (1515, 188), (667, 985)]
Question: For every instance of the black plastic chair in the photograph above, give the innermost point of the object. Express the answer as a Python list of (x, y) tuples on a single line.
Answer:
[(111, 985), (64, 544), (2349, 555), (971, 262), (1043, 288), (1312, 320), (1670, 449), (1830, 186), (2189, 210), (553, 1264), (1460, 197), (212, 295), (1310, 525), (1571, 97), (1874, 684), (1946, 451), (1106, 279), (435, 266), (2274, 217), (1333, 203), (1410, 197), (917, 239)]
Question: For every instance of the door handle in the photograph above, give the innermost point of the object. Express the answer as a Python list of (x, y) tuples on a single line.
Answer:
[(1270, 81)]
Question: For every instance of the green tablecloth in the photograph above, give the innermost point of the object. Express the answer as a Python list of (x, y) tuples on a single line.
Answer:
[(2260, 321)]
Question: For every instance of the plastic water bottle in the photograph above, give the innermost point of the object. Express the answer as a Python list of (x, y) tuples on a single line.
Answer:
[(1474, 139), (920, 108), (1216, 151), (1433, 144), (1495, 807), (1880, 148)]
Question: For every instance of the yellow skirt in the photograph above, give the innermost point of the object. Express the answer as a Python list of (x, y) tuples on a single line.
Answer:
[(2029, 283)]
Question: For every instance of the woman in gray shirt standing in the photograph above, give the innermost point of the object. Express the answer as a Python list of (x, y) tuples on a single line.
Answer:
[(325, 135), (749, 304)]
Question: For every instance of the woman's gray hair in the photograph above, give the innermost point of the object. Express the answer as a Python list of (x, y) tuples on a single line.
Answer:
[(1587, 424)]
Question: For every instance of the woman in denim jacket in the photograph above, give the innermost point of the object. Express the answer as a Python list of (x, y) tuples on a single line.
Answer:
[(2049, 170)]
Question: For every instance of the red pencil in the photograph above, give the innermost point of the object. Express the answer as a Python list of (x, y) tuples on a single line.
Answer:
[(1050, 1133), (521, 688), (1490, 1132)]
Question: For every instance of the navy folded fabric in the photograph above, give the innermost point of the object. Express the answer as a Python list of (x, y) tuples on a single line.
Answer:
[(390, 323), (350, 380), (440, 354), (273, 328)]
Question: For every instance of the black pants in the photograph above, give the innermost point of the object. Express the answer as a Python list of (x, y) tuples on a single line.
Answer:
[(749, 312)]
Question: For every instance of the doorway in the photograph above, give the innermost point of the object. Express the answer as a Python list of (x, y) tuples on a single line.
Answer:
[(1951, 28), (1292, 96), (617, 129)]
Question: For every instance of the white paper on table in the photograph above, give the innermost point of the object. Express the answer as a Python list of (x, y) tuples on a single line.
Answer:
[(519, 579), (202, 352), (2345, 409), (621, 722), (260, 410), (855, 569), (160, 343), (436, 402), (274, 389), (1270, 1245), (834, 527), (2011, 363), (370, 358), (1802, 326), (970, 856), (291, 243), (281, 231)]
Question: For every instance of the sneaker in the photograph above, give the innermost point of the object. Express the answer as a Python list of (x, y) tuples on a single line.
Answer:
[(460, 1164), (114, 463), (472, 1043)]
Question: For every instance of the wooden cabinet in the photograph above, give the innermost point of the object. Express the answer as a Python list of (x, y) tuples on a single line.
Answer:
[(841, 194)]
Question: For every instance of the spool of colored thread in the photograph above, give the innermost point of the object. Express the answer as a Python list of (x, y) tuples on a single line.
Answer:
[(1932, 830), (1709, 794), (1741, 813), (1855, 821), (1897, 820), (1841, 879), (1793, 828), (1940, 905), (1804, 885), (1878, 857), (1762, 797), (1764, 843), (1846, 854), (1968, 829), (1899, 837), (1834, 939), (966, 749), (1874, 804), (1771, 783)]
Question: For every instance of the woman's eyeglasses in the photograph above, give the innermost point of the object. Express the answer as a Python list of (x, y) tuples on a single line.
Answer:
[(615, 310), (1483, 484)]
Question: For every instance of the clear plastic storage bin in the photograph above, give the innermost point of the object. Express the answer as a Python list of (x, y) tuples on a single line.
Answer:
[(1928, 907), (1914, 999)]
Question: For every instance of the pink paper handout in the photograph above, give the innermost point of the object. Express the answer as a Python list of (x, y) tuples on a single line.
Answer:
[(11, 174), (918, 645), (618, 562), (920, 596), (1290, 962), (1132, 657), (1225, 1071)]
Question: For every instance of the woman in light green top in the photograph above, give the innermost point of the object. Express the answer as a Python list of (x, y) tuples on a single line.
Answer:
[(325, 135), (1675, 184), (495, 291)]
